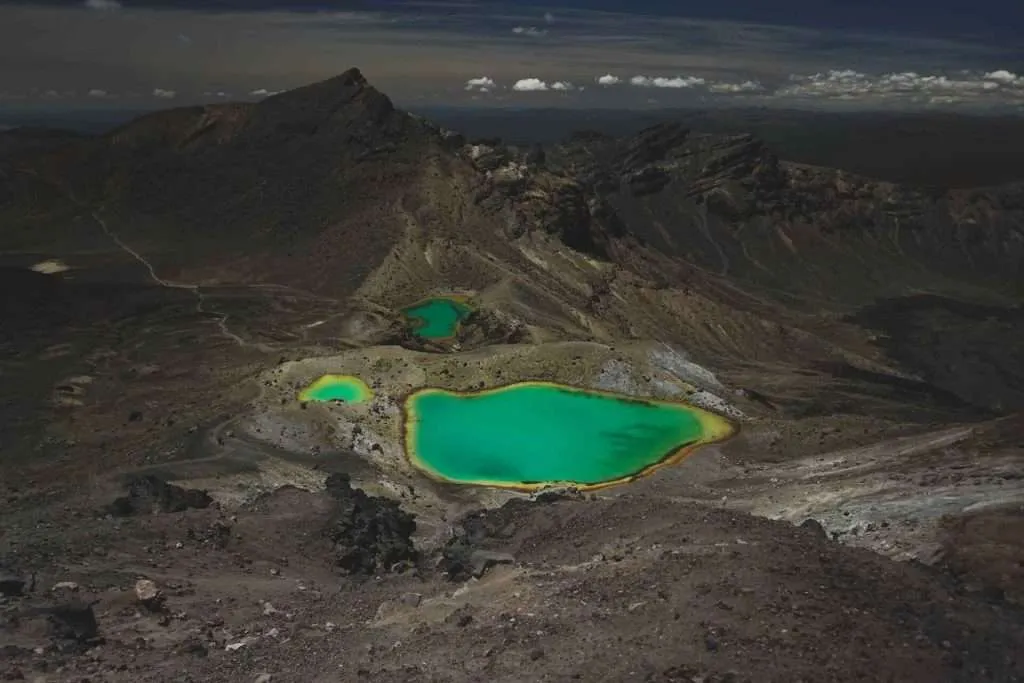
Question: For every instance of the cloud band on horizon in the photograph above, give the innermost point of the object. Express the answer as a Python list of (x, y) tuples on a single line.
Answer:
[(433, 57)]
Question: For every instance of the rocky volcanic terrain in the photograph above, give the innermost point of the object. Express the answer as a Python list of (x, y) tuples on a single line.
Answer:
[(171, 512)]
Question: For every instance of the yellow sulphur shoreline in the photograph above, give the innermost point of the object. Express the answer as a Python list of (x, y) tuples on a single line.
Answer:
[(713, 428), (347, 388)]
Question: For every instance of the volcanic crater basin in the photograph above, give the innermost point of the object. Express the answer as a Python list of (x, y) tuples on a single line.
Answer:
[(438, 318), (367, 439), (531, 435)]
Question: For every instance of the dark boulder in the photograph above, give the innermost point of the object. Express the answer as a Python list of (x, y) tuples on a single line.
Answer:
[(460, 561), (10, 584), (150, 494), (815, 527), (71, 626)]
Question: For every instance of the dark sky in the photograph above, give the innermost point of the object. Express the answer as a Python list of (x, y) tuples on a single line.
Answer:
[(950, 17), (983, 18), (574, 53)]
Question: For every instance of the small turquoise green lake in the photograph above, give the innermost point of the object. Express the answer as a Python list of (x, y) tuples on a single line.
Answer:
[(535, 434), (344, 388), (437, 318)]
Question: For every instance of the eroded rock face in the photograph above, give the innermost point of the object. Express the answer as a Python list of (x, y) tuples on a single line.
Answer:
[(728, 204), (370, 534)]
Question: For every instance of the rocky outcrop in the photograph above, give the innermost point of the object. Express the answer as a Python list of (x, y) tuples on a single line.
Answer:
[(467, 553), (484, 327), (369, 534), (149, 494), (651, 145)]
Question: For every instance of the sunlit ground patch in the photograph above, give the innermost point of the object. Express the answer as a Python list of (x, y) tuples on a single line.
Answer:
[(535, 434), (345, 388), (50, 267), (437, 318)]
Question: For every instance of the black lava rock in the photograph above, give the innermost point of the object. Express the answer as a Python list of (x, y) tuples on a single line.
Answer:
[(148, 494), (370, 534)]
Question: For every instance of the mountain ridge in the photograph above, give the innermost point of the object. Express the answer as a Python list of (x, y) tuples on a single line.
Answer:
[(331, 190)]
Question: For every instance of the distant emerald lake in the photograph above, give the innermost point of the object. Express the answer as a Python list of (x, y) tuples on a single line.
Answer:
[(536, 434), (438, 317)]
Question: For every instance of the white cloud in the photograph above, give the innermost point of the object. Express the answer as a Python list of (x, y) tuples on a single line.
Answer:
[(549, 18), (531, 31), (483, 84), (263, 92), (850, 85), (562, 85), (662, 82), (103, 5), (530, 85), (164, 94), (96, 92), (745, 86), (1004, 77), (608, 79)]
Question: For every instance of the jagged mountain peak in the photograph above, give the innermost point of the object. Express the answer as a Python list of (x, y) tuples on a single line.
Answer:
[(344, 101), (348, 96)]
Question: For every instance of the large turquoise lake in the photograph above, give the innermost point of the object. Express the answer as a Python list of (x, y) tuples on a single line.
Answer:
[(437, 318), (536, 434)]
